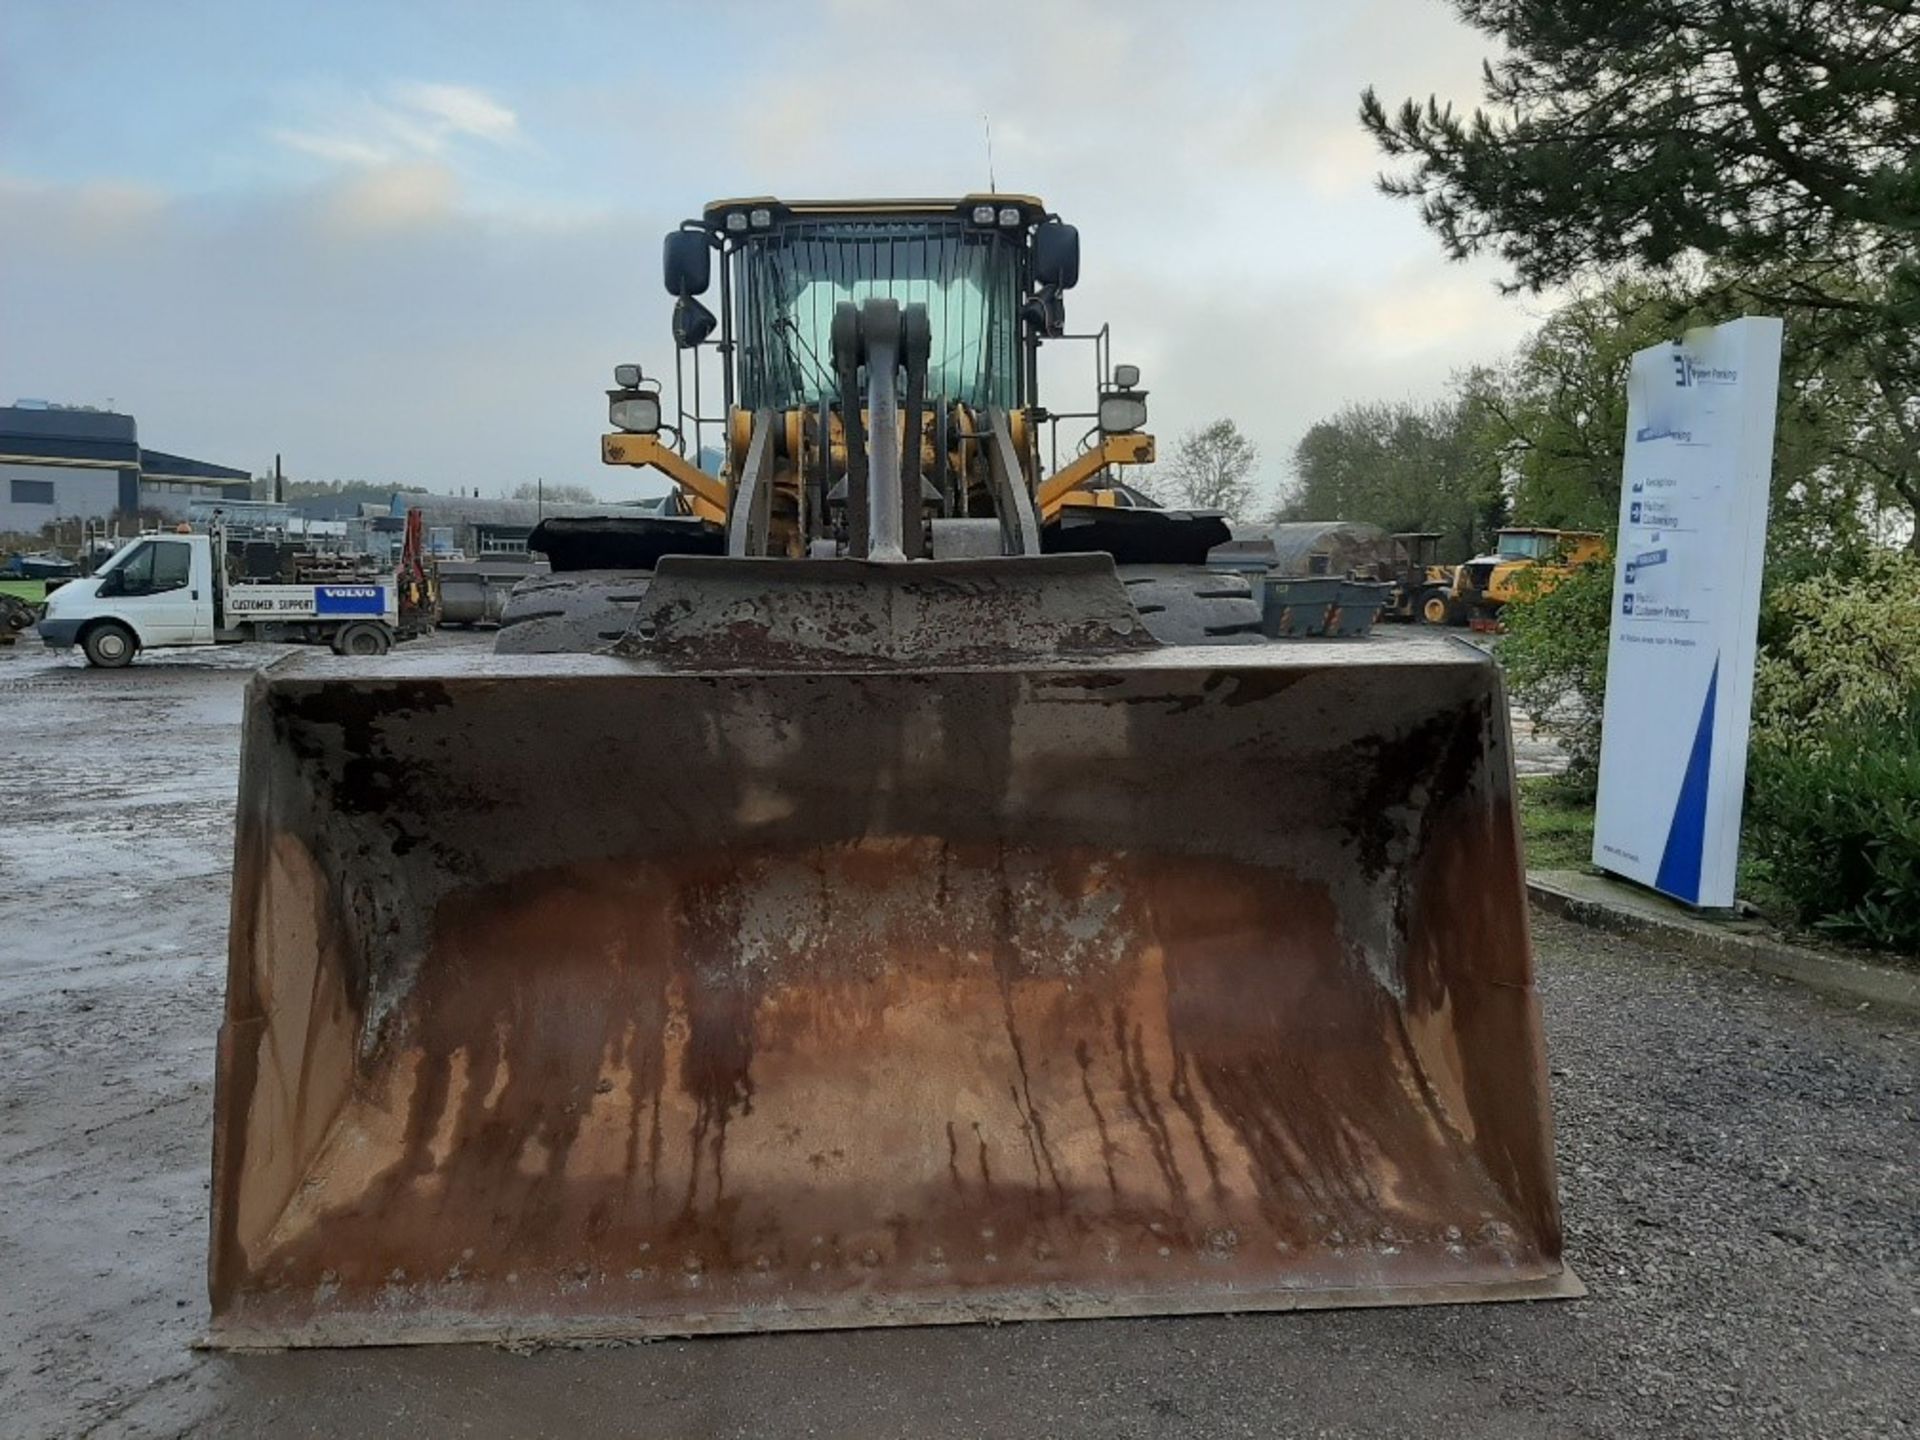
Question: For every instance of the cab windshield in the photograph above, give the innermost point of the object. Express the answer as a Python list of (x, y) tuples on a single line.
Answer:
[(791, 279), (1528, 547)]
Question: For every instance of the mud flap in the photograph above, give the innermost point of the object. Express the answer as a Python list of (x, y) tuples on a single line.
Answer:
[(575, 997)]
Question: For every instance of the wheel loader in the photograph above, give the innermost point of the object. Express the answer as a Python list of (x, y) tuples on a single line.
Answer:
[(1522, 556), (1421, 585), (893, 882)]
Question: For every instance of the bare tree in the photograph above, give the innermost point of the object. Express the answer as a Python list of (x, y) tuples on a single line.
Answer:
[(1212, 468), (1149, 480)]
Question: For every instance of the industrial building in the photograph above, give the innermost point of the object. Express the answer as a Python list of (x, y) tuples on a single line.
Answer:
[(478, 528), (75, 463)]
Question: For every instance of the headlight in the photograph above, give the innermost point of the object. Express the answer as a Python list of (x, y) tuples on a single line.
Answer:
[(760, 219), (1009, 217), (983, 214), (1121, 414), (635, 414), (736, 220), (627, 377)]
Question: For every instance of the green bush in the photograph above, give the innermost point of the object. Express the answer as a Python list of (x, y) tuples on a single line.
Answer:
[(1555, 657), (1837, 648), (1833, 778), (1835, 817)]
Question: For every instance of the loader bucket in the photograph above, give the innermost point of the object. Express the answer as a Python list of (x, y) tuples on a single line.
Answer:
[(578, 996)]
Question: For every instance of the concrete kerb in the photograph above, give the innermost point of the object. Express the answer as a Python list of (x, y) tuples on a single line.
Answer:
[(1624, 910)]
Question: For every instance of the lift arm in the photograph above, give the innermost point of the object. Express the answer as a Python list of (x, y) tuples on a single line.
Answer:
[(1112, 450), (706, 493)]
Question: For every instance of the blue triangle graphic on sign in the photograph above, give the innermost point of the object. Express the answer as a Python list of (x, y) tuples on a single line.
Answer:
[(1686, 847)]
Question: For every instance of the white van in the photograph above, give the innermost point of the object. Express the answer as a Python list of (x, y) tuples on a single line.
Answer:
[(163, 590)]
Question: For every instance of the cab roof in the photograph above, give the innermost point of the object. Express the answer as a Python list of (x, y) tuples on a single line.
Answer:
[(1031, 208)]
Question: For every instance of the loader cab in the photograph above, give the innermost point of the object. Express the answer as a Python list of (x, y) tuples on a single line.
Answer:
[(757, 282), (1416, 551), (766, 295), (990, 270), (1548, 547), (1527, 544)]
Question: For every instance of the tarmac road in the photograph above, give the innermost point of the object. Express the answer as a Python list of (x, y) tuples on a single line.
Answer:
[(1740, 1163)]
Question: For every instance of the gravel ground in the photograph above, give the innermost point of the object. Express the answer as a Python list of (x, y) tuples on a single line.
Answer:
[(1738, 1156), (1533, 752)]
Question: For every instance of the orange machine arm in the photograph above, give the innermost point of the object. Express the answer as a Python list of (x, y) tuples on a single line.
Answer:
[(706, 493), (1112, 450)]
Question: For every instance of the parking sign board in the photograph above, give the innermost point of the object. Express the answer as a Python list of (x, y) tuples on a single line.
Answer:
[(1693, 529)]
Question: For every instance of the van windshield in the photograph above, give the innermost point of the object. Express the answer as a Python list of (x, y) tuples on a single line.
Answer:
[(120, 557)]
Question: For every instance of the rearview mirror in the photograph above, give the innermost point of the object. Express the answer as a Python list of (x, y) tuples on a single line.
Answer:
[(688, 263), (1056, 254), (1045, 313), (692, 322)]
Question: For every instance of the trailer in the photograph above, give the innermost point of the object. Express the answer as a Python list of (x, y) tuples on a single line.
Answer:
[(174, 590)]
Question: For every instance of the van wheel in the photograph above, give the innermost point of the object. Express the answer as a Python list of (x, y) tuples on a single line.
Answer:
[(110, 645), (361, 640)]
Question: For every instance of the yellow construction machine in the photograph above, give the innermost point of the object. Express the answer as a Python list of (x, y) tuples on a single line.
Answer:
[(1420, 584), (919, 893), (1484, 585)]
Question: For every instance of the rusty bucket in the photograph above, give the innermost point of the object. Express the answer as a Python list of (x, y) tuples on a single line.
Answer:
[(576, 996)]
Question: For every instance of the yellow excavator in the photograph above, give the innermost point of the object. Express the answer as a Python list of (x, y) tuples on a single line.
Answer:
[(893, 881)]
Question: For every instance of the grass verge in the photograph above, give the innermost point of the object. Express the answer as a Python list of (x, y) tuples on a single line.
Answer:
[(1556, 820)]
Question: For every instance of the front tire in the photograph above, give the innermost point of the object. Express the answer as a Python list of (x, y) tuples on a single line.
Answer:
[(1436, 608), (1192, 605), (110, 646), (570, 612)]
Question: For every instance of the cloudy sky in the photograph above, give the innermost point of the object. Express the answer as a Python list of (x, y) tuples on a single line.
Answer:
[(405, 242)]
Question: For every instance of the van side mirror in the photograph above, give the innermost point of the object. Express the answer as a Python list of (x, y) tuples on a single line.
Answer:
[(687, 261), (1056, 254)]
